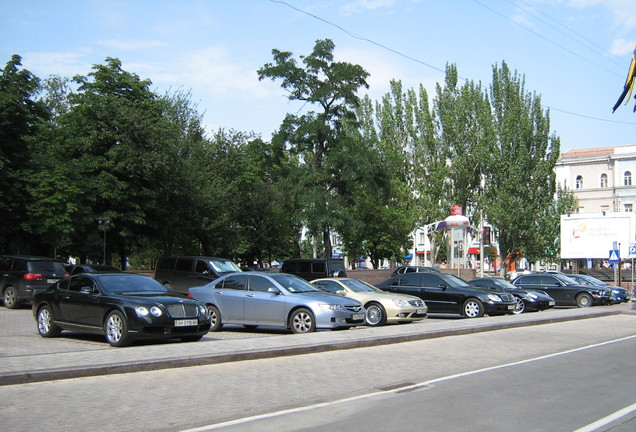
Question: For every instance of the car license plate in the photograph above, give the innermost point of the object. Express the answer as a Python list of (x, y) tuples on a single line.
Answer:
[(358, 316), (552, 303), (511, 307), (420, 311), (51, 281), (185, 322)]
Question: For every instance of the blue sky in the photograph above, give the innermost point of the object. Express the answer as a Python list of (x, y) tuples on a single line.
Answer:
[(575, 54)]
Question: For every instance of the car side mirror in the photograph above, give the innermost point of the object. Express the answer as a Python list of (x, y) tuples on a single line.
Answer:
[(205, 272), (273, 290), (442, 286), (341, 292), (86, 290)]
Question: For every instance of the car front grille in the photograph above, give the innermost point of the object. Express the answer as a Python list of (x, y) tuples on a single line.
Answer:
[(354, 308), (416, 303), (182, 310)]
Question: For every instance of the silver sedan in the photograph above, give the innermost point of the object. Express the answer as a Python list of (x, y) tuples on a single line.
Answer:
[(276, 300)]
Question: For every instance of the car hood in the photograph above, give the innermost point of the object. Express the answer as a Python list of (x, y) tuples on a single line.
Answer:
[(157, 297), (328, 298), (381, 295)]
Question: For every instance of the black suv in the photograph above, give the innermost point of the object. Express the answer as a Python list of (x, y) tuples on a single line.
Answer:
[(445, 293), (22, 276), (178, 273), (565, 291), (314, 268)]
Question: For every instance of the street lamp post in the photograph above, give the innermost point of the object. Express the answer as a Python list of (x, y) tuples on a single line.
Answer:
[(103, 223)]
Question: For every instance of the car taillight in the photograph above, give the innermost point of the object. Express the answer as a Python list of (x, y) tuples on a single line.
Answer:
[(190, 295), (33, 276), (67, 274)]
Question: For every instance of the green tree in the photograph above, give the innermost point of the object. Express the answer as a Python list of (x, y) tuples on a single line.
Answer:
[(520, 182), (21, 116), (313, 137)]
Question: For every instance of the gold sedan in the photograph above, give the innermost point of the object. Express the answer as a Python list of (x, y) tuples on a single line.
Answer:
[(381, 306)]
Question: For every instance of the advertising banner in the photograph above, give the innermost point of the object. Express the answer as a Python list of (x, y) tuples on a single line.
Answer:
[(594, 235)]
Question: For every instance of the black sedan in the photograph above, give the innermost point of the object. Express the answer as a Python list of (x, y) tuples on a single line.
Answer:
[(565, 291), (527, 300), (121, 306), (445, 293)]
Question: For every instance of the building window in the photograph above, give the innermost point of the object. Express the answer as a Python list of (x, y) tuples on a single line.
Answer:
[(603, 180), (627, 178), (604, 209), (629, 208), (579, 182)]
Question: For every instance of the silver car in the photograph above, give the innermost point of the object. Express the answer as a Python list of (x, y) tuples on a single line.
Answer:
[(276, 300)]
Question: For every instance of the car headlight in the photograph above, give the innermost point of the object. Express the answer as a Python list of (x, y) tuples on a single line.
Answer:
[(401, 303), (144, 311), (204, 311), (331, 306), (494, 298)]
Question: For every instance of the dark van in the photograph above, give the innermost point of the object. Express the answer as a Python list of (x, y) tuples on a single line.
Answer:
[(178, 273), (22, 276), (314, 268)]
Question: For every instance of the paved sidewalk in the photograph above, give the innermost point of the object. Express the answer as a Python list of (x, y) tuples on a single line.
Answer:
[(18, 367)]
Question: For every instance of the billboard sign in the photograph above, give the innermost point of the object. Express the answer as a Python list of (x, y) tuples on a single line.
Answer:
[(593, 235)]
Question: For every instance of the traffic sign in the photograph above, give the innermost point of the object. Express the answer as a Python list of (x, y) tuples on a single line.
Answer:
[(614, 256), (632, 251)]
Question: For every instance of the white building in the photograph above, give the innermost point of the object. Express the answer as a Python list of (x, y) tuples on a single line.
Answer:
[(601, 178)]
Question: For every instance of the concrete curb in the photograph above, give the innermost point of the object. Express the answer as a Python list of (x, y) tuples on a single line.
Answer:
[(145, 365)]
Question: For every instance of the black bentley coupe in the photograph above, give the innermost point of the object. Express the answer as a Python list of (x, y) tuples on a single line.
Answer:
[(121, 306)]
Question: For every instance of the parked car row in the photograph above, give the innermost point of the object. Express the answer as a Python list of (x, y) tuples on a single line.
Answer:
[(193, 295)]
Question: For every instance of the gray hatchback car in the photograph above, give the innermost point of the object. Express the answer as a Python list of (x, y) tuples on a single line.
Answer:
[(276, 300), (22, 276)]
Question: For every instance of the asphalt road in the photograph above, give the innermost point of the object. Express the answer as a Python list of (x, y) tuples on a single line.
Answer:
[(410, 385)]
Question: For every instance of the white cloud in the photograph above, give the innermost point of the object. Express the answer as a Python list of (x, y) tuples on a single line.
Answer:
[(65, 64), (359, 6), (621, 47)]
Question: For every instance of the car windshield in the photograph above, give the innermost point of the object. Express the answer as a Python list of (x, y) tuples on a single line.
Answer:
[(112, 283), (589, 280), (294, 284), (503, 284), (453, 281), (358, 286), (224, 266), (566, 280)]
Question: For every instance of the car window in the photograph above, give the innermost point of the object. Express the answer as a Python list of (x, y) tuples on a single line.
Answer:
[(202, 267), (293, 284), (329, 286), (125, 283), (318, 267), (5, 264), (78, 282), (224, 266), (63, 284), (46, 266), (184, 264), (19, 265), (408, 279), (167, 263), (431, 280), (304, 267), (237, 282), (359, 286), (258, 283)]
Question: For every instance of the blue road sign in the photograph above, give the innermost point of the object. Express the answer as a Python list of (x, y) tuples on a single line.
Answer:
[(614, 256)]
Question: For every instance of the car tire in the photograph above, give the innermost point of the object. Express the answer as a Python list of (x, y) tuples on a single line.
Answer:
[(191, 338), (116, 329), (215, 318), (376, 315), (10, 298), (520, 307), (46, 328), (584, 300), (473, 308), (302, 321)]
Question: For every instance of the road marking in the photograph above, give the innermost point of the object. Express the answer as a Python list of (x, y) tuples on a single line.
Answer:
[(607, 420), (413, 387)]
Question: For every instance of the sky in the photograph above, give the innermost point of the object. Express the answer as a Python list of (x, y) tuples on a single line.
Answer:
[(573, 54)]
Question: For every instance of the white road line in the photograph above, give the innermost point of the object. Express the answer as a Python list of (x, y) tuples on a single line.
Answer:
[(413, 387), (607, 420)]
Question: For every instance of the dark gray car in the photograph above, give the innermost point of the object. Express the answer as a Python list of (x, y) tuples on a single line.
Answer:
[(178, 273), (565, 291), (22, 276)]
